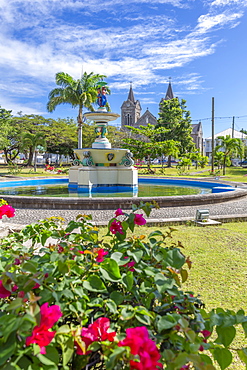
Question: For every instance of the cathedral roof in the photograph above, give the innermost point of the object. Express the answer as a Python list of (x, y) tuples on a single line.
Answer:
[(169, 93), (131, 95)]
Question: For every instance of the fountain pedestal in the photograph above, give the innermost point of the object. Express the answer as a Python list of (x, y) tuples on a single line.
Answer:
[(101, 168)]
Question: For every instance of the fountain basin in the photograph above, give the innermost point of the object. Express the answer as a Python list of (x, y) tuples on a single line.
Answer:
[(124, 203)]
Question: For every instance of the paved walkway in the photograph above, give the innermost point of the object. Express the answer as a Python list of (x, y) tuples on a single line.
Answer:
[(235, 209), (230, 210)]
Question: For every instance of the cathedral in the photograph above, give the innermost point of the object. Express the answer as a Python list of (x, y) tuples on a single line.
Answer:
[(131, 110), (131, 116)]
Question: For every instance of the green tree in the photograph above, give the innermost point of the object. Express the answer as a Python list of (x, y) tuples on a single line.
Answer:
[(5, 128), (230, 147), (78, 93), (32, 141), (61, 136), (176, 119), (144, 143)]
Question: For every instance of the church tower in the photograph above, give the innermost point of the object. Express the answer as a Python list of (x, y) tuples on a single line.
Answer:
[(169, 93), (130, 110)]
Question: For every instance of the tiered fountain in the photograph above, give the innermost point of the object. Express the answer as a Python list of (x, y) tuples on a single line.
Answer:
[(101, 168)]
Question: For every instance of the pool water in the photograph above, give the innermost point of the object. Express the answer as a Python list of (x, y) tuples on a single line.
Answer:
[(144, 190)]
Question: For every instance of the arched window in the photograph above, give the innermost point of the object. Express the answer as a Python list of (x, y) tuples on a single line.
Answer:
[(128, 120)]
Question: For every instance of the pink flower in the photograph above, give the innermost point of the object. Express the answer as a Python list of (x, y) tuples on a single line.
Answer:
[(116, 227), (119, 212), (42, 337), (7, 210), (101, 253), (96, 332), (41, 334), (4, 293), (206, 333), (139, 219), (140, 344), (36, 286), (49, 315), (14, 289), (130, 265)]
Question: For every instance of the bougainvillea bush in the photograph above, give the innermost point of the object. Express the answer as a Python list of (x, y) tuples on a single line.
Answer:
[(70, 300)]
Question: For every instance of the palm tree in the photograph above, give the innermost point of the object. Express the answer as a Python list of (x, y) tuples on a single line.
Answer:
[(32, 141), (230, 146), (79, 93)]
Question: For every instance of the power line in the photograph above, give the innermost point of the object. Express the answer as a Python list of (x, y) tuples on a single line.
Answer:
[(210, 118)]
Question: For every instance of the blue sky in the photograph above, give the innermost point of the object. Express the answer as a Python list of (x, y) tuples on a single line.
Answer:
[(200, 44)]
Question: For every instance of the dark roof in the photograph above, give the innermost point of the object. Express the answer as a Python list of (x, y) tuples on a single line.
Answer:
[(131, 95), (196, 127), (169, 93)]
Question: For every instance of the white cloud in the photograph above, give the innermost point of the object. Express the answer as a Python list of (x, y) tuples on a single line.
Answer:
[(209, 21), (229, 2)]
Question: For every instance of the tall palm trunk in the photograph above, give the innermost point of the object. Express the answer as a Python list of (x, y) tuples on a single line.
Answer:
[(80, 121)]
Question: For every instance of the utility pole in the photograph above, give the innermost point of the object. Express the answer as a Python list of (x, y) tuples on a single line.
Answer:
[(233, 122), (212, 156)]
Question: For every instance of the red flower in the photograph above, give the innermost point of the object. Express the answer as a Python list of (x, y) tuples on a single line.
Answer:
[(7, 210), (139, 219), (116, 227), (119, 212), (140, 344), (49, 315), (96, 332), (41, 336), (101, 253), (4, 293), (206, 333)]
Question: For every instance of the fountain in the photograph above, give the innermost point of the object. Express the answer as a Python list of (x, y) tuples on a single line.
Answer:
[(102, 168)]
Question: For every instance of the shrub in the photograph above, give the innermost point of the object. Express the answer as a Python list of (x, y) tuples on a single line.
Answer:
[(69, 300)]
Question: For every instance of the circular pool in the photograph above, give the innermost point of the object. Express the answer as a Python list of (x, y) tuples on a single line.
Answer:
[(206, 192)]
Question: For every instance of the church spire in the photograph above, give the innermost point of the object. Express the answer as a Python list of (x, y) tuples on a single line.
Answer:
[(131, 94), (169, 93)]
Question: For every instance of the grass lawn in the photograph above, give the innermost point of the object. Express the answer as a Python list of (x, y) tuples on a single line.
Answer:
[(219, 266), (237, 174)]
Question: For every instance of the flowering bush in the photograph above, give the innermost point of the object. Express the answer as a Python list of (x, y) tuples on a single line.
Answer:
[(52, 169), (6, 210), (69, 300)]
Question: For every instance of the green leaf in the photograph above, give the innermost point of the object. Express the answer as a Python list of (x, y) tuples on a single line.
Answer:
[(155, 233), (114, 358), (117, 297), (243, 355), (16, 303), (127, 313), (67, 345), (244, 325), (30, 266), (110, 270), (68, 294), (137, 255), (63, 267), (163, 283), (175, 258), (128, 280), (167, 322), (7, 349), (94, 284), (223, 356), (111, 305), (225, 335)]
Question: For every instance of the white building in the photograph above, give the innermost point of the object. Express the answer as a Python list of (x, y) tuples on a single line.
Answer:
[(236, 134)]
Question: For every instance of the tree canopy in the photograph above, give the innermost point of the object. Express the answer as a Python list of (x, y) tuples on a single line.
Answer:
[(176, 119), (78, 93)]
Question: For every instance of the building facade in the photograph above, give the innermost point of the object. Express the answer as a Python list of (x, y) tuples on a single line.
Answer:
[(131, 116), (232, 133)]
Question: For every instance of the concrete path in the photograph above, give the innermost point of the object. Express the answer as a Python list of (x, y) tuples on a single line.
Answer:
[(226, 211)]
